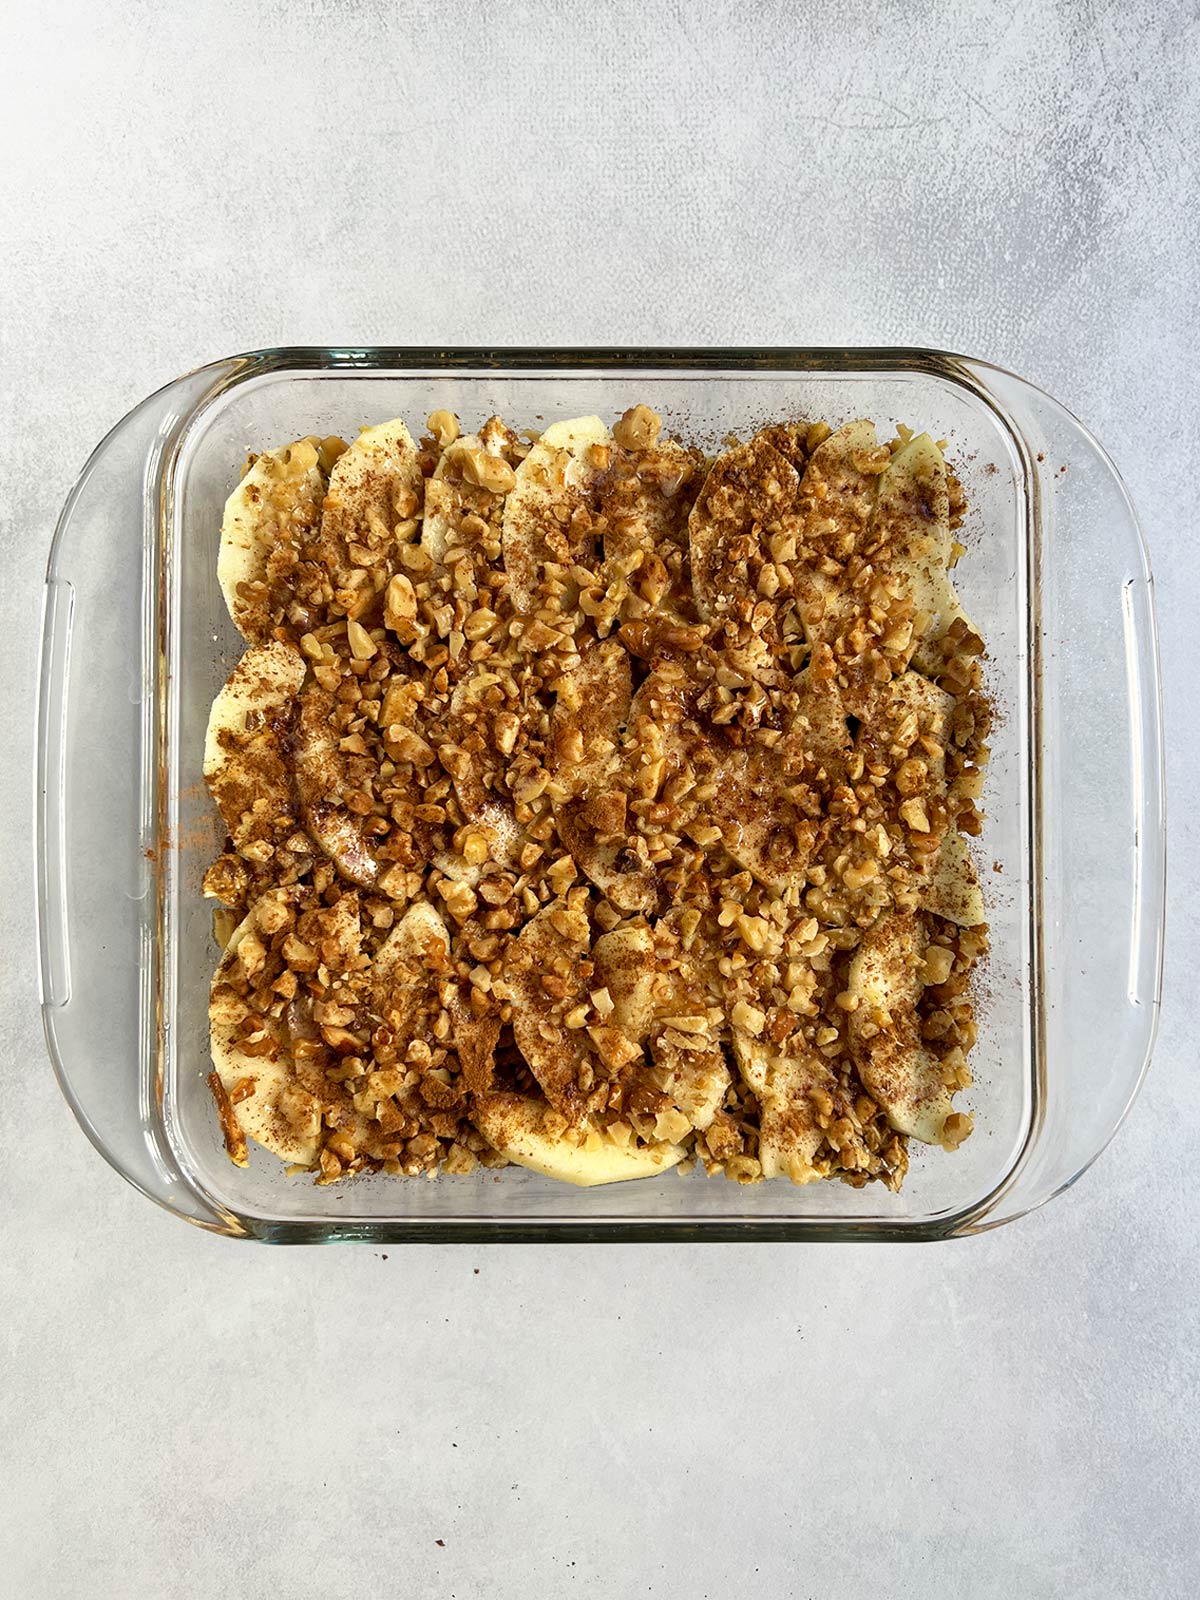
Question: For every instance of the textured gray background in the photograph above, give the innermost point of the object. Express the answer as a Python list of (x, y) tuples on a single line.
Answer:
[(1012, 1415)]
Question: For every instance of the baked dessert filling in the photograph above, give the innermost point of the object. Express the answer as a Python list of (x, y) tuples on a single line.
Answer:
[(596, 806)]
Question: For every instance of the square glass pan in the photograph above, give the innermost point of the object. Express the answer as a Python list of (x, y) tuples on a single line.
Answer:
[(137, 641)]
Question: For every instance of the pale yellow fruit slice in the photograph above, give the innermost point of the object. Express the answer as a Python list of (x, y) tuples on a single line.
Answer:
[(952, 890), (493, 829), (373, 487), (442, 500), (624, 962), (591, 707), (594, 703), (912, 709), (266, 1102), (749, 493), (468, 771), (516, 1126), (761, 828), (413, 952), (554, 942), (837, 494), (371, 510), (885, 979), (409, 976), (836, 501), (553, 478), (910, 695), (491, 834), (789, 1133), (645, 511), (819, 726), (279, 497), (912, 519), (932, 706), (663, 1008), (450, 494), (406, 970), (318, 766), (245, 763), (617, 870)]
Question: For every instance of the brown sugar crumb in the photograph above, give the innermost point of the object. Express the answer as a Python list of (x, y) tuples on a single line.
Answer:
[(596, 807)]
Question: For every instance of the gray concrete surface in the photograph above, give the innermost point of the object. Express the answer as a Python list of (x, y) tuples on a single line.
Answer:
[(1012, 1415)]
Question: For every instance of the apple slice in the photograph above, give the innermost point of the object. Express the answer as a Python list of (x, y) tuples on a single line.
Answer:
[(585, 1156)]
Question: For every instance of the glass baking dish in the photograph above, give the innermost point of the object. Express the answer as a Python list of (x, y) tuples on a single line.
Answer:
[(137, 641)]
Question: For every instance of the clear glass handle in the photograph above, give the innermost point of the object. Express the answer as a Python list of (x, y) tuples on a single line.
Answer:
[(1101, 833), (96, 798)]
